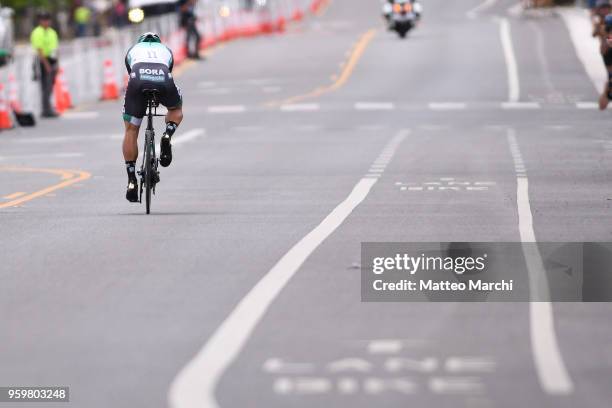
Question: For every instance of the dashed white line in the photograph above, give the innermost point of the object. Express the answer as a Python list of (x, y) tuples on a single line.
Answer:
[(549, 364), (374, 106), (195, 385), (304, 107), (587, 105), (520, 105), (447, 106), (227, 109)]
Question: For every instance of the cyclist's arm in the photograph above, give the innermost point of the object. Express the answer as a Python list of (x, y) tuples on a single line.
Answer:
[(127, 61), (171, 63)]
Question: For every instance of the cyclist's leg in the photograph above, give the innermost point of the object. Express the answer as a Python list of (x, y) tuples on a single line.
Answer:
[(174, 117), (130, 141), (173, 100), (133, 112)]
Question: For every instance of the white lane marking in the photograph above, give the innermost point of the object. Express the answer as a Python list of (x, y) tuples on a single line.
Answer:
[(278, 366), (514, 90), (80, 115), (521, 105), (587, 48), (188, 136), (226, 109), (42, 155), (304, 107), (195, 385), (447, 106), (473, 13), (587, 105), (374, 106), (549, 364)]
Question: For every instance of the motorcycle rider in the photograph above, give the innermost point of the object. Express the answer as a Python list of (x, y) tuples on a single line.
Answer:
[(387, 8)]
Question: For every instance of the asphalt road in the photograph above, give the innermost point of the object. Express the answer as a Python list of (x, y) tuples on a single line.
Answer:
[(224, 297)]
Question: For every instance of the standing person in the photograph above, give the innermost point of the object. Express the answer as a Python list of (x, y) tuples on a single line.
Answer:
[(120, 13), (82, 19), (188, 21), (45, 43)]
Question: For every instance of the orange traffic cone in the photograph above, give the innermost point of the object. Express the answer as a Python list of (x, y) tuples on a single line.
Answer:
[(13, 89), (110, 90), (64, 89), (63, 100), (280, 24), (298, 15), (5, 117)]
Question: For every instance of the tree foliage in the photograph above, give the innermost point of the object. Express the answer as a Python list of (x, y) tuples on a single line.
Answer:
[(23, 5)]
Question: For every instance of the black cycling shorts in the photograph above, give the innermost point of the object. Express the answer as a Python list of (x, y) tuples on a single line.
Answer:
[(149, 76)]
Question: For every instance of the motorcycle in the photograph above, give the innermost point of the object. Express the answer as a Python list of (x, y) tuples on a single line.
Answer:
[(404, 16)]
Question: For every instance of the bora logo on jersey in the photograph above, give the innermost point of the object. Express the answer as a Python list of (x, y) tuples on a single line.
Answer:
[(152, 74)]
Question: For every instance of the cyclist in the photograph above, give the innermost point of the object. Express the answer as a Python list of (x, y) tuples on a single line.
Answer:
[(149, 64)]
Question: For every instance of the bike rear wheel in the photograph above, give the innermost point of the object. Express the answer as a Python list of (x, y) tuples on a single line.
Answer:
[(148, 176)]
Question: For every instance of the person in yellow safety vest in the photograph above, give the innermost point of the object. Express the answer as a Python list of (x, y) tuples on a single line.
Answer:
[(82, 18), (45, 43)]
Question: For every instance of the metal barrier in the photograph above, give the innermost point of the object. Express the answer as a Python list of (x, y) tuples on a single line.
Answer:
[(82, 60)]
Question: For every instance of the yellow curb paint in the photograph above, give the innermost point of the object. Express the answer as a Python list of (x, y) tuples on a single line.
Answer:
[(68, 177)]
